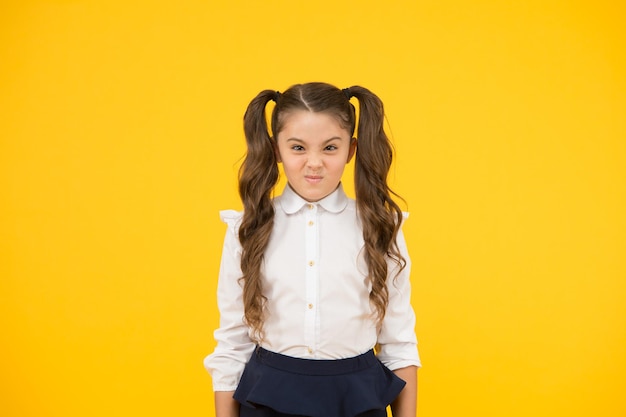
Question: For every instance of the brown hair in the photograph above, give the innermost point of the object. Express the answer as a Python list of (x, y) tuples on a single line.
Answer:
[(380, 216)]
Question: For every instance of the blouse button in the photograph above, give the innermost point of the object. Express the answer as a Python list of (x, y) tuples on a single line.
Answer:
[(311, 223), (309, 350), (310, 306), (310, 206), (311, 263)]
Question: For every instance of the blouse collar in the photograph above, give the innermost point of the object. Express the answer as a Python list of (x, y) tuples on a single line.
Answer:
[(335, 202)]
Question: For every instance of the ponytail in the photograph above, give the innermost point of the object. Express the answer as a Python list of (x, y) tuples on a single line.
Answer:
[(257, 177), (380, 215)]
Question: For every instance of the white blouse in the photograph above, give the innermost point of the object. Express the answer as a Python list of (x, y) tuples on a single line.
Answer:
[(317, 292)]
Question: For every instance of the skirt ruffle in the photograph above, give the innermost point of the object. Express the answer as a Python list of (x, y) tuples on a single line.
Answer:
[(317, 388)]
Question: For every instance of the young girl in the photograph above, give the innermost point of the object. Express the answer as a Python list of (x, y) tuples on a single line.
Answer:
[(312, 281)]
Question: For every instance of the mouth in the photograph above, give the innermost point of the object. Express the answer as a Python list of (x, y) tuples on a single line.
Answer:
[(313, 179)]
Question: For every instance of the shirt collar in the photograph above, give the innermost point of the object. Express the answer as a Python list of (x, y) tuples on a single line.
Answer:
[(335, 202)]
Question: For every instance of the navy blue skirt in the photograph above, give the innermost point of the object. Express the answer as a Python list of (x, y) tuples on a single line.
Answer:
[(280, 386)]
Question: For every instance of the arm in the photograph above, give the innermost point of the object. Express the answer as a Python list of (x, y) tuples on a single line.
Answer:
[(406, 403), (234, 347), (225, 404), (398, 343)]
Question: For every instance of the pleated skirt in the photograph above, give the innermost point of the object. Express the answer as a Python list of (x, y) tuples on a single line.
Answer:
[(275, 385)]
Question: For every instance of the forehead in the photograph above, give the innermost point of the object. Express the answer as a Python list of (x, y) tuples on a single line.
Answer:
[(308, 123)]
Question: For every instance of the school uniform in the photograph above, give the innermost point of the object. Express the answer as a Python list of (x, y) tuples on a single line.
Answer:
[(316, 358)]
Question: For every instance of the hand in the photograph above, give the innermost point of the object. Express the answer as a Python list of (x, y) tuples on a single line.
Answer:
[(225, 404)]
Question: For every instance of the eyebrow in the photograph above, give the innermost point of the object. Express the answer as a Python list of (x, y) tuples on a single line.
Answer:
[(323, 143)]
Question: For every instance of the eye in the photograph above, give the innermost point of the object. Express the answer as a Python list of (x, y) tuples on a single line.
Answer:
[(297, 148), (330, 148)]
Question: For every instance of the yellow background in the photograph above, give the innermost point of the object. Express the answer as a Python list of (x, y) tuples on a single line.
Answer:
[(121, 138)]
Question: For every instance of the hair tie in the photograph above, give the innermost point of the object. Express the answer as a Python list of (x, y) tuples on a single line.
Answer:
[(347, 92), (276, 96)]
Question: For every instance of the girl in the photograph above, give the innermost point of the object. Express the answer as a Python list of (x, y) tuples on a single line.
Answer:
[(312, 281)]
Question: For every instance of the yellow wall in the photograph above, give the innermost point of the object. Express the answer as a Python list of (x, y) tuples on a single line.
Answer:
[(120, 128)]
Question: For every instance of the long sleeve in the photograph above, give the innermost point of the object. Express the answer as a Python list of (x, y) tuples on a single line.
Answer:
[(234, 345), (397, 340)]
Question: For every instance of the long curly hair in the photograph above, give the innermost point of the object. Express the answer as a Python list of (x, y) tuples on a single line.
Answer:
[(380, 216)]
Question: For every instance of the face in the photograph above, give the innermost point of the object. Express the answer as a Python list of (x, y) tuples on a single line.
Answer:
[(314, 149)]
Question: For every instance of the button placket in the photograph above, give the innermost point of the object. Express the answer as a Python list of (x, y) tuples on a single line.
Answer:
[(311, 277)]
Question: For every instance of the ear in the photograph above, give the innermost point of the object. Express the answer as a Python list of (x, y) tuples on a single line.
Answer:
[(352, 150), (276, 152)]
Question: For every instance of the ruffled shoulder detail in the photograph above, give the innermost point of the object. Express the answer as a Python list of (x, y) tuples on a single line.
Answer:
[(405, 215), (232, 218)]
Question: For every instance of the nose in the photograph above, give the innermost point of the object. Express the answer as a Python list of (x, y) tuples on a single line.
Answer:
[(314, 161)]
